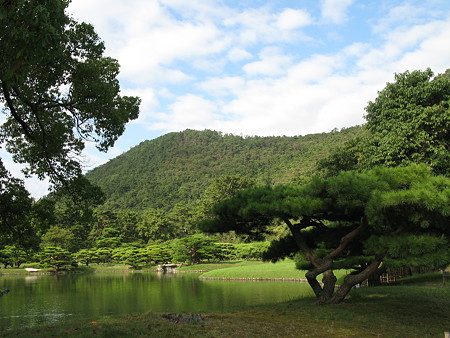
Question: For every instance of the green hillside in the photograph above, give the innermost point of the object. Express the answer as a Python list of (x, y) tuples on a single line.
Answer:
[(177, 167)]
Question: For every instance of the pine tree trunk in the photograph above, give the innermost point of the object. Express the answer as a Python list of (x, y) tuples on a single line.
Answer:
[(329, 283), (351, 280), (323, 292), (374, 279)]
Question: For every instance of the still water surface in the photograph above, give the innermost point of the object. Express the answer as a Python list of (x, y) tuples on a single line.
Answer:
[(41, 300)]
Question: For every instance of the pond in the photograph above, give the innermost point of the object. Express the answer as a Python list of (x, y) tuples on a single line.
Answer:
[(45, 299)]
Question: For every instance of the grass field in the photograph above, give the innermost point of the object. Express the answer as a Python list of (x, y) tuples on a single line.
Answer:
[(285, 269), (260, 270), (204, 267), (415, 307)]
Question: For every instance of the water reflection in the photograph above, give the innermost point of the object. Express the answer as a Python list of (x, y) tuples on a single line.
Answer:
[(46, 299), (31, 279)]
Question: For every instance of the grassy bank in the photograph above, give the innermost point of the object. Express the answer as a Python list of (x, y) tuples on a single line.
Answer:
[(206, 267), (79, 269), (418, 309), (285, 269)]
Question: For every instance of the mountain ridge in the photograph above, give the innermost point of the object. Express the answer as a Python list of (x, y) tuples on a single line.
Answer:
[(178, 166)]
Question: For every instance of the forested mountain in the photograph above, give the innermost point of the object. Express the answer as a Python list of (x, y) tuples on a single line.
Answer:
[(177, 167)]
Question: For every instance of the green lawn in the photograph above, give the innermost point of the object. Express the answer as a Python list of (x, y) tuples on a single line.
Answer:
[(285, 269), (213, 266)]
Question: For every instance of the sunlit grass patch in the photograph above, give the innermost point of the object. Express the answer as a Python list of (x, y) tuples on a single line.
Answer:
[(284, 269), (213, 266), (280, 270)]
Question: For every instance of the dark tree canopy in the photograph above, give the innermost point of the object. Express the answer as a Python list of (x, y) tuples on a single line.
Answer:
[(409, 122), (57, 91), (15, 205), (352, 220), (57, 88)]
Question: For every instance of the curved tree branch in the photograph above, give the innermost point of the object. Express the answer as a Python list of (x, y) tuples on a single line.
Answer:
[(347, 239), (25, 127)]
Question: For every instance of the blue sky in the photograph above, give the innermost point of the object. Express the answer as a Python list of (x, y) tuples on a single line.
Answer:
[(259, 67)]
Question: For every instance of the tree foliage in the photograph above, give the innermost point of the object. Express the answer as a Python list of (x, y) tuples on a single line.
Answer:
[(86, 256), (134, 257), (154, 225), (409, 122), (352, 220), (57, 91), (59, 237), (193, 249), (57, 88), (56, 258), (13, 256), (15, 208)]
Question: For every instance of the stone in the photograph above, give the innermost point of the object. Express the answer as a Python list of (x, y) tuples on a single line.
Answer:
[(183, 317)]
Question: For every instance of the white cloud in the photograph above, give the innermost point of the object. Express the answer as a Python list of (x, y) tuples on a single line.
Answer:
[(272, 62), (35, 187), (224, 86), (238, 54), (261, 25), (402, 15), (2, 116), (251, 25), (433, 51), (146, 55), (335, 11), (279, 96), (149, 101), (416, 47), (146, 38), (92, 158), (291, 19), (314, 70), (188, 111), (150, 38), (321, 93), (200, 10), (292, 105)]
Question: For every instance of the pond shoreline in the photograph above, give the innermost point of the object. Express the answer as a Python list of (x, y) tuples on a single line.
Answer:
[(301, 280), (71, 272)]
